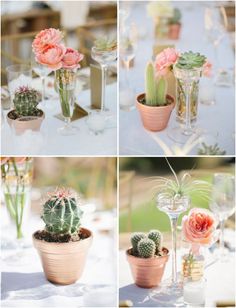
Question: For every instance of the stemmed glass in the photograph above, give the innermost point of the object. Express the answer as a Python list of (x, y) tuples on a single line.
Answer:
[(223, 203), (104, 58), (215, 33), (42, 71)]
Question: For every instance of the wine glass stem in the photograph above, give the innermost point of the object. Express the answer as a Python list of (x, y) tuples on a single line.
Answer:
[(126, 63), (43, 89), (222, 224), (188, 127), (103, 94), (173, 222)]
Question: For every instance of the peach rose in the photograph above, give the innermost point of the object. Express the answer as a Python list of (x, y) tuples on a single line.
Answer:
[(46, 37), (165, 60), (52, 56), (199, 227), (207, 69), (71, 59)]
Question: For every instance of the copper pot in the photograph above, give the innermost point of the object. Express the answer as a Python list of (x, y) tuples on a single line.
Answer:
[(155, 118), (147, 272), (174, 31), (63, 263)]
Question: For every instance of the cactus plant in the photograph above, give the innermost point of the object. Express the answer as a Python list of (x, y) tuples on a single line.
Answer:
[(25, 101), (190, 60), (135, 239), (155, 89), (105, 44), (61, 212), (175, 19), (156, 237), (146, 248)]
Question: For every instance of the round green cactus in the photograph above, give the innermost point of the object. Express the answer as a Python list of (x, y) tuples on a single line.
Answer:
[(146, 248), (25, 101), (156, 237), (61, 212), (135, 238)]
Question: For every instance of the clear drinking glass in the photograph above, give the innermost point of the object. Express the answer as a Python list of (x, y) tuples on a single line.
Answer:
[(223, 203), (18, 75), (104, 58), (96, 122), (66, 85), (42, 71)]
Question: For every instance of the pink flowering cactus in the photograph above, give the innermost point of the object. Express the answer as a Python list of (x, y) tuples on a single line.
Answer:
[(50, 51), (165, 60)]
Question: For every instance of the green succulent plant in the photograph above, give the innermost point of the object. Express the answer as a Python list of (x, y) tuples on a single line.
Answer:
[(175, 19), (26, 101), (146, 248), (155, 89), (61, 212), (156, 237), (105, 44), (135, 238), (190, 60)]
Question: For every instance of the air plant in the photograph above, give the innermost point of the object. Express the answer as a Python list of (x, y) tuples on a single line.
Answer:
[(105, 44)]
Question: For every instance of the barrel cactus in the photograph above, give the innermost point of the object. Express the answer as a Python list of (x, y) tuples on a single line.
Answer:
[(135, 238), (191, 60), (25, 101), (61, 212), (156, 237), (155, 89), (146, 248)]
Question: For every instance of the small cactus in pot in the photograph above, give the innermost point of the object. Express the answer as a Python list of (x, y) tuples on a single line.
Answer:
[(147, 258), (63, 244)]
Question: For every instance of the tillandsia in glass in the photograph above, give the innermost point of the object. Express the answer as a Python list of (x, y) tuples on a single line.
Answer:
[(16, 175)]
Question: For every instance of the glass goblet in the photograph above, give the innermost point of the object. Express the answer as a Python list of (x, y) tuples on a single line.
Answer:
[(223, 203), (104, 58)]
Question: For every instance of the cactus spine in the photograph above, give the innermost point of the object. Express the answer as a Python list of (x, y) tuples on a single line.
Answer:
[(156, 237), (25, 101), (146, 248), (155, 89), (135, 238), (61, 212)]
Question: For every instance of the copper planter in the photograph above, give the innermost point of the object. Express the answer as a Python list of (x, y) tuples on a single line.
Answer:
[(155, 118), (147, 272), (63, 263)]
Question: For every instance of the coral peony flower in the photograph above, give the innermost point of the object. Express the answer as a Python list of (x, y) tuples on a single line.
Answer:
[(19, 160), (4, 160), (72, 58), (46, 37), (199, 227), (52, 56), (165, 60), (207, 69)]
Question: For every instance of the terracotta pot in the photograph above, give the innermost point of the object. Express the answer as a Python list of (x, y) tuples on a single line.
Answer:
[(25, 123), (63, 263), (147, 273), (155, 118), (174, 31)]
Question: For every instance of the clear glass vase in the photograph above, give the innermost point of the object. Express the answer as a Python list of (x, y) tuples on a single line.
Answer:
[(66, 86)]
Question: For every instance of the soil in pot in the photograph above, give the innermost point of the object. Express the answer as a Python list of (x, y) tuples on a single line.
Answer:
[(14, 116), (56, 238)]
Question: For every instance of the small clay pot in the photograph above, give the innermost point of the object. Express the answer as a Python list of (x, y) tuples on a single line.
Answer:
[(25, 123), (174, 31), (155, 118), (63, 263), (147, 272)]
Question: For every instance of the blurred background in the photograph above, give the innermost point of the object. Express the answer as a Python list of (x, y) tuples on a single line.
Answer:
[(137, 207), (81, 22)]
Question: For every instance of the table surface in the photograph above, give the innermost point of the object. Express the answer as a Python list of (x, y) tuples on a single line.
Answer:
[(216, 119), (23, 283), (49, 142)]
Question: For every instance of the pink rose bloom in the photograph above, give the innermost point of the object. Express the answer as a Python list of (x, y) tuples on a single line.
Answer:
[(199, 227), (46, 37), (165, 60), (52, 56), (207, 67), (71, 59)]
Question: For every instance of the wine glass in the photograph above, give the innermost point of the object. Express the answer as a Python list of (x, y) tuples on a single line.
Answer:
[(215, 30), (223, 203), (42, 71), (104, 58)]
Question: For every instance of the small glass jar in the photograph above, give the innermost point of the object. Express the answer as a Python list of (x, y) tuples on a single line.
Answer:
[(194, 292)]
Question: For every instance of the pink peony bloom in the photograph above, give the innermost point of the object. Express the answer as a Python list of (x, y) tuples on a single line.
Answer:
[(165, 60), (199, 227), (52, 56), (207, 67), (71, 59), (46, 37)]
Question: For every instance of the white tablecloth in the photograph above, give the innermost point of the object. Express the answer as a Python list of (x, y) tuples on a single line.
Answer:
[(23, 283), (219, 118), (50, 142)]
